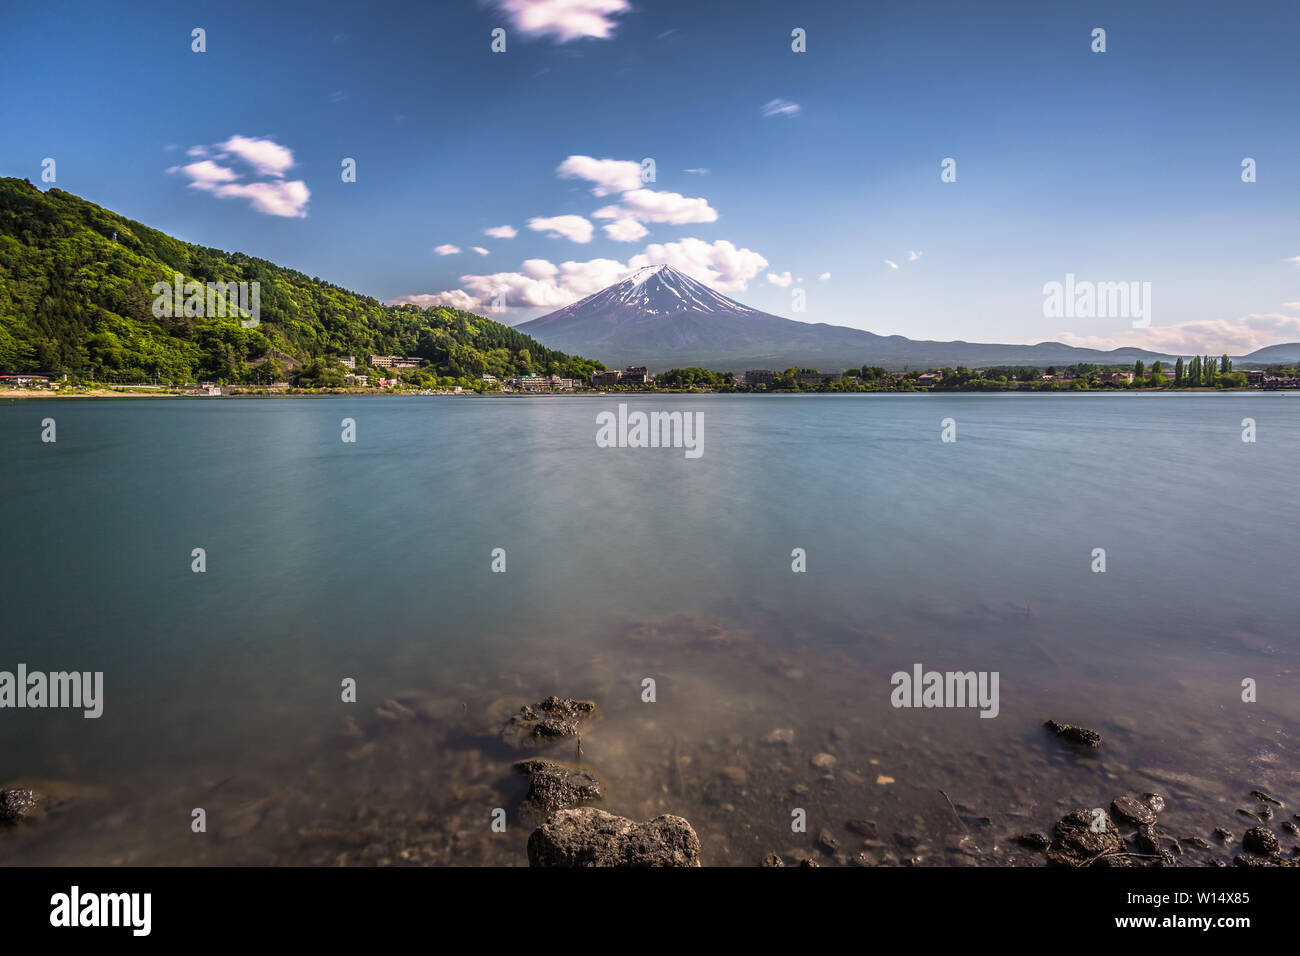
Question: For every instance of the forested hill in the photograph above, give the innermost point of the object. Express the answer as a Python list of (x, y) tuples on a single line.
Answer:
[(76, 296)]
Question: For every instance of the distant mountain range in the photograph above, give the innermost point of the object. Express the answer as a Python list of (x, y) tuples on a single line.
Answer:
[(662, 319)]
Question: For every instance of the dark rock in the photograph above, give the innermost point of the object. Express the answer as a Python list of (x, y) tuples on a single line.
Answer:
[(809, 862), (908, 840), (1132, 811), (1263, 797), (1290, 827), (550, 720), (19, 805), (1251, 814), (1250, 859), (866, 828), (1196, 842), (591, 837), (1260, 840), (1081, 736), (1223, 835), (1147, 840), (827, 841), (554, 786), (1034, 841), (772, 860), (1076, 843), (1154, 801)]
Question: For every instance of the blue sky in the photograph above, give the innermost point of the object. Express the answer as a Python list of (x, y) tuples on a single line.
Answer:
[(1115, 166)]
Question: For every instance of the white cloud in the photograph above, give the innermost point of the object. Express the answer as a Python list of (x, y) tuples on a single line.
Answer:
[(783, 279), (446, 249), (824, 276), (609, 175), (891, 263), (1295, 259), (564, 20), (207, 175), (1211, 337), (718, 264), (780, 107), (648, 205), (274, 199), (267, 157), (455, 299), (263, 157), (480, 250), (1291, 305), (540, 284), (912, 256), (573, 228), (625, 230), (501, 232), (699, 171)]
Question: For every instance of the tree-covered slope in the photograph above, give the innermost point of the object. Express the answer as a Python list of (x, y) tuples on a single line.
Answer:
[(75, 299)]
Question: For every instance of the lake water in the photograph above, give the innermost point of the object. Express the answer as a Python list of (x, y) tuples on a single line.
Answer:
[(372, 560)]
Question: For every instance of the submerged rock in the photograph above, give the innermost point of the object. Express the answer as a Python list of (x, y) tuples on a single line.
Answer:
[(1081, 736), (549, 720), (591, 837), (1076, 841), (1263, 797), (1034, 841), (19, 805), (1132, 811), (866, 828), (554, 786)]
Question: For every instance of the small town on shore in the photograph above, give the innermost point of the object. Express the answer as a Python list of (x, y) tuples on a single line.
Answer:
[(394, 374)]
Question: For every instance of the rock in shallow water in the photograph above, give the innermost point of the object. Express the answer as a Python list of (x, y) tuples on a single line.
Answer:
[(1132, 811), (1080, 736), (1077, 843), (591, 837), (549, 720), (1260, 840), (554, 786), (18, 805)]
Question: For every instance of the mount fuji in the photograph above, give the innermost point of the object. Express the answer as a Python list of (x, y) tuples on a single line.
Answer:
[(660, 318)]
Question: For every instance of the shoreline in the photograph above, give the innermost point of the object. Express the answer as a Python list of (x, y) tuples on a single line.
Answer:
[(102, 393)]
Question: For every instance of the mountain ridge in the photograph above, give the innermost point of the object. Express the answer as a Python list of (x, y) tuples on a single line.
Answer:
[(661, 318), (75, 296)]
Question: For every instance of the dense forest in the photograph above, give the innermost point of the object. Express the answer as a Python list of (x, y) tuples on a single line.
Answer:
[(75, 297)]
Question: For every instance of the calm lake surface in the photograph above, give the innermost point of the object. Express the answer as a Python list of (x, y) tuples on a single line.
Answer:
[(372, 560)]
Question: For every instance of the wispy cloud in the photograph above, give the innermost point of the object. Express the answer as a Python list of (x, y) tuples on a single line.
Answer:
[(563, 20), (782, 279), (912, 255), (780, 107), (573, 228), (891, 263), (625, 230), (609, 175), (1212, 337), (446, 249), (501, 232), (648, 205), (824, 276), (216, 173), (480, 250)]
